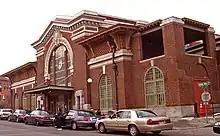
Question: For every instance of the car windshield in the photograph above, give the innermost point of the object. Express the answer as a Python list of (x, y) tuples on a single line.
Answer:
[(145, 113), (86, 113), (22, 112), (44, 113), (7, 111)]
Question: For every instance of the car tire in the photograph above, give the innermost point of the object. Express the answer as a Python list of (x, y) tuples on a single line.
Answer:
[(101, 128), (74, 126), (17, 120), (37, 123), (133, 130), (25, 122), (156, 133), (9, 119)]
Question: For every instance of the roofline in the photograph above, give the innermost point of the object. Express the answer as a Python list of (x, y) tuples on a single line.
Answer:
[(111, 28), (18, 68), (83, 12)]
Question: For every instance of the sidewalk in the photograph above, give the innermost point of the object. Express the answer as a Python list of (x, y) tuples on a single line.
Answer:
[(191, 122)]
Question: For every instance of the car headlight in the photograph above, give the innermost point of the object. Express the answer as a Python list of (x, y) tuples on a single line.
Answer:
[(217, 124)]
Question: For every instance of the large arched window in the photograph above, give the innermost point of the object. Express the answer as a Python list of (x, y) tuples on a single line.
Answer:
[(59, 67), (154, 88), (105, 92)]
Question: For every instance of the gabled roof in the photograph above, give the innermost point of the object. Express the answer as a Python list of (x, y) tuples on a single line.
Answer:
[(67, 22), (27, 65)]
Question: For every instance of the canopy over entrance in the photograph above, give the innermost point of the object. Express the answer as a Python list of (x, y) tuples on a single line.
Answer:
[(50, 89)]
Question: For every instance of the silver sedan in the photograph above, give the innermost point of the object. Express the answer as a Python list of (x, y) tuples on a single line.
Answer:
[(134, 121)]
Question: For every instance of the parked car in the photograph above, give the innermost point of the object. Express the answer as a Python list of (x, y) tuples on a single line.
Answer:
[(4, 113), (75, 119), (134, 121), (216, 128), (38, 117), (18, 115)]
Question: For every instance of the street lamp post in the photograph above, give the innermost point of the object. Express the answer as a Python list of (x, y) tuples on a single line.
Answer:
[(115, 68)]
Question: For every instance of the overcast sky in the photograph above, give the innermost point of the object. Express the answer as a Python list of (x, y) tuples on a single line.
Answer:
[(23, 21)]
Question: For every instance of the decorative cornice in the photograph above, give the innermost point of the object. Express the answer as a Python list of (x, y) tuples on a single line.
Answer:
[(22, 82), (211, 29), (195, 23), (122, 52), (171, 20)]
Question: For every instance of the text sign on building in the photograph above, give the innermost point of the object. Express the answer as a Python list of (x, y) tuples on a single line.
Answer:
[(206, 96), (204, 85)]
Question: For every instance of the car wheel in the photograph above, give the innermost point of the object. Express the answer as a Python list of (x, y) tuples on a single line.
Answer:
[(74, 126), (102, 128), (133, 130), (17, 120), (37, 123), (156, 132), (25, 121), (9, 119)]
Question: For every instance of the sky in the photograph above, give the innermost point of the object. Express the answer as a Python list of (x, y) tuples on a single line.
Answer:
[(23, 21)]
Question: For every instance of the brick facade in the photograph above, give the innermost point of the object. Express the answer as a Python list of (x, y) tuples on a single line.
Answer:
[(5, 93), (89, 45)]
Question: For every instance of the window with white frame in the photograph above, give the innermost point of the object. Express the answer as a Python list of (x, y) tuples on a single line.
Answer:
[(154, 88), (59, 66), (105, 90)]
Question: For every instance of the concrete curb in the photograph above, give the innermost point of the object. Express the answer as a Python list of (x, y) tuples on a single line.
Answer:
[(185, 128)]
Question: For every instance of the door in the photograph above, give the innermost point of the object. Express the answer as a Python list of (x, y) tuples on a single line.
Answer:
[(197, 93), (78, 102), (112, 123), (69, 117), (124, 120)]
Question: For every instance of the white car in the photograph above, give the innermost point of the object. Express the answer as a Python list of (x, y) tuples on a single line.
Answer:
[(4, 113)]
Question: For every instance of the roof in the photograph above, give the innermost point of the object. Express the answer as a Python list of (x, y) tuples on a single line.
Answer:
[(68, 21), (110, 29), (29, 64), (48, 88)]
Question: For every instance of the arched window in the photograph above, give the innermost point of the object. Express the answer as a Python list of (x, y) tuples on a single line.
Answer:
[(105, 90), (154, 88), (59, 66)]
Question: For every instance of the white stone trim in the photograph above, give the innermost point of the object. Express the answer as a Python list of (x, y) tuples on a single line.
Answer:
[(171, 20), (146, 60), (122, 52), (39, 54), (23, 85), (211, 29), (23, 81), (107, 62), (63, 41), (197, 55), (79, 93), (81, 34)]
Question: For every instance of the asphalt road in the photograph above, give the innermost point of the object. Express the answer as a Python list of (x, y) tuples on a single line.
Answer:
[(20, 129)]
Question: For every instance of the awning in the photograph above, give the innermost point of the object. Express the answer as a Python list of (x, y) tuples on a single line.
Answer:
[(49, 89)]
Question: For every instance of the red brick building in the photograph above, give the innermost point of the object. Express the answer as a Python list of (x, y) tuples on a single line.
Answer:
[(159, 64), (5, 93), (22, 78)]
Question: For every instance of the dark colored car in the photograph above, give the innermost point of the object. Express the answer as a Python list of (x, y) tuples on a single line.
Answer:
[(18, 115), (216, 128), (38, 117), (75, 119)]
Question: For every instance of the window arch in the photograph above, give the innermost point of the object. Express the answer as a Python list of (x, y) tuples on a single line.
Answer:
[(59, 66), (154, 88), (105, 93)]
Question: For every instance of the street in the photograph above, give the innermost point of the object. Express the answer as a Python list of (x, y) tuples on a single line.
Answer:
[(20, 129)]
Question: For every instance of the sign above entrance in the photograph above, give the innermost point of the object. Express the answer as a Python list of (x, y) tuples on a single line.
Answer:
[(204, 84)]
